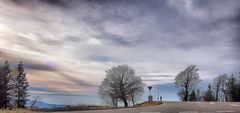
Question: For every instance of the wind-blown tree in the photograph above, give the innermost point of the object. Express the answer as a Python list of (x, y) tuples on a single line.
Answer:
[(121, 83), (5, 85), (186, 81), (21, 87)]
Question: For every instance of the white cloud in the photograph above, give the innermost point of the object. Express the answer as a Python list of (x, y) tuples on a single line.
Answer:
[(94, 42), (187, 7)]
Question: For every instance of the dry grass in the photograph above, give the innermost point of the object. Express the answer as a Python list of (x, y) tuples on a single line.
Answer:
[(15, 111), (75, 108), (145, 104)]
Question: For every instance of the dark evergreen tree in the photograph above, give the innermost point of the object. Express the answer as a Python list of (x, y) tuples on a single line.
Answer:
[(193, 96), (2, 88), (21, 87), (5, 86), (198, 95), (238, 91), (232, 89), (209, 96), (238, 88)]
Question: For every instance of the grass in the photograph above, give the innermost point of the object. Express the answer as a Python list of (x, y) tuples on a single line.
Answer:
[(147, 103), (15, 111), (92, 107), (75, 108)]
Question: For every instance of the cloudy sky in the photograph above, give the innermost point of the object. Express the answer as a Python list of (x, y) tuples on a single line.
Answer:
[(66, 45)]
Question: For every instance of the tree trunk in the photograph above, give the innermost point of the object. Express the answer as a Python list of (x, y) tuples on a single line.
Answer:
[(133, 102), (133, 99), (225, 95), (217, 92), (5, 101), (186, 94), (114, 102), (125, 102), (18, 103)]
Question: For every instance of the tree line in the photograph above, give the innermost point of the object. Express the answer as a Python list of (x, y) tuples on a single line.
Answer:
[(122, 85), (13, 86), (225, 87)]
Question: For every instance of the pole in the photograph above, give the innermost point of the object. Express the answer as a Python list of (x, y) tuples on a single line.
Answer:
[(158, 94)]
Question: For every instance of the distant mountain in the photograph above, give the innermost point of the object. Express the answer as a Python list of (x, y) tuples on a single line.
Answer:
[(45, 105)]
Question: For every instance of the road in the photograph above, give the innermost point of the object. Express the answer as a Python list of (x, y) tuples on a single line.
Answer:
[(177, 107)]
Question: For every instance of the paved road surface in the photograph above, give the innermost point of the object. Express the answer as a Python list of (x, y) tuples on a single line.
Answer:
[(177, 107)]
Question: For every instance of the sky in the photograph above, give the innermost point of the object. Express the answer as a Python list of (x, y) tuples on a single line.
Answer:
[(66, 45)]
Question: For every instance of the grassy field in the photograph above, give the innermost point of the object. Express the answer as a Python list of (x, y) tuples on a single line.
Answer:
[(76, 108), (15, 111), (145, 104)]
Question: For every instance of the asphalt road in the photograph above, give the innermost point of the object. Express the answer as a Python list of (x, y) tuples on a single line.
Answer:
[(177, 107)]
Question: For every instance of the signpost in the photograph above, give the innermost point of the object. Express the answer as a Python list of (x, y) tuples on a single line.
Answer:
[(150, 97)]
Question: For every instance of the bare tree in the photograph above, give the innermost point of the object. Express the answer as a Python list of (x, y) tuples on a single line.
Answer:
[(223, 80), (35, 100), (108, 95), (120, 84), (136, 89), (186, 81), (216, 87), (219, 86)]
